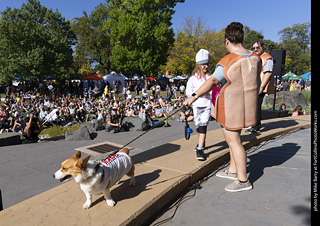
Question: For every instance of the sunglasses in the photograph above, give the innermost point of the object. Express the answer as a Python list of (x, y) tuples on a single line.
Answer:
[(253, 48)]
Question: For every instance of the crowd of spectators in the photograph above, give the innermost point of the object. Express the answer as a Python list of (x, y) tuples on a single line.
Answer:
[(63, 104), (294, 85)]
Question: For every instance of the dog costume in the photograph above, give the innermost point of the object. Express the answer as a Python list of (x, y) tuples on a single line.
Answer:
[(115, 167)]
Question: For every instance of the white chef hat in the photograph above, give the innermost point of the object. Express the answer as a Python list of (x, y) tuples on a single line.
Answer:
[(202, 57)]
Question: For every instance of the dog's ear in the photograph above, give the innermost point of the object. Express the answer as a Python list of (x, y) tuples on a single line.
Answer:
[(82, 163), (77, 154)]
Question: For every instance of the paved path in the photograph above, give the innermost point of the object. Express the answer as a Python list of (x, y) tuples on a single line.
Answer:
[(164, 169), (280, 172), (26, 170)]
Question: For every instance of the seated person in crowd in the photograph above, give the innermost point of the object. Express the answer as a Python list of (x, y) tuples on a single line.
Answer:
[(72, 110), (298, 111), (129, 111), (145, 115), (169, 107), (159, 112), (93, 112), (187, 115), (3, 118), (82, 115), (66, 118), (43, 113), (33, 126), (113, 121), (18, 125), (102, 115)]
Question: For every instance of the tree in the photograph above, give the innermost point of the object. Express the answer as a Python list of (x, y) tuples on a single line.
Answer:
[(141, 34), (194, 35), (251, 35), (190, 38), (35, 42), (296, 40), (93, 42)]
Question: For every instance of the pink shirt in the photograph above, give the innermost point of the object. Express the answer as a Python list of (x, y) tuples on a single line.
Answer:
[(296, 113), (215, 93), (3, 114)]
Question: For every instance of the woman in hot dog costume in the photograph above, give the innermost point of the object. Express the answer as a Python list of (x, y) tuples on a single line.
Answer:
[(236, 105)]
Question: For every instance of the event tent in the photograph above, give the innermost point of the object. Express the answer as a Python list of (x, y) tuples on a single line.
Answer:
[(91, 77), (163, 79), (291, 76), (150, 79), (95, 81), (178, 78), (306, 75), (112, 78)]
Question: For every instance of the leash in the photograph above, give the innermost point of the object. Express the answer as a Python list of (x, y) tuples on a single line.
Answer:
[(117, 150)]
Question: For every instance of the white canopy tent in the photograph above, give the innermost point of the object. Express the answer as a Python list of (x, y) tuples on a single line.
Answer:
[(113, 77)]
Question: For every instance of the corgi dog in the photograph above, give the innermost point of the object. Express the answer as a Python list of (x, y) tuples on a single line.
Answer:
[(97, 177)]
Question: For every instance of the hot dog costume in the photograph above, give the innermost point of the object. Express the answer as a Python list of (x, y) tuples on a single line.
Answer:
[(269, 89), (236, 104)]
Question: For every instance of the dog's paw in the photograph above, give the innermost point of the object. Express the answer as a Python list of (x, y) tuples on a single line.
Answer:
[(86, 205), (110, 202), (132, 182)]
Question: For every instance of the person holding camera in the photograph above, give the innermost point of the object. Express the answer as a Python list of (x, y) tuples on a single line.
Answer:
[(33, 126)]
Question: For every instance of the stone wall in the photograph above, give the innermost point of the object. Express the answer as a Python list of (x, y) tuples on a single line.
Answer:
[(290, 98)]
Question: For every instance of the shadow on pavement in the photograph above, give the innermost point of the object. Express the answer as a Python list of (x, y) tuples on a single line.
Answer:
[(156, 152), (276, 125), (268, 158), (123, 191)]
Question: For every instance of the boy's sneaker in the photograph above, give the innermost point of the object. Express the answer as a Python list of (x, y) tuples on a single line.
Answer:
[(226, 174), (237, 186), (200, 154)]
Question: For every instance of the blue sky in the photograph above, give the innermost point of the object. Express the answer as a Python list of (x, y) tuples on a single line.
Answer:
[(268, 17)]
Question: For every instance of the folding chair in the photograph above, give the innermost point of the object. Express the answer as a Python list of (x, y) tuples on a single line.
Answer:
[(51, 117)]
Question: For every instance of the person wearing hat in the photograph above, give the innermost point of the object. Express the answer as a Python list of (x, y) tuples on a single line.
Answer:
[(202, 106), (238, 74)]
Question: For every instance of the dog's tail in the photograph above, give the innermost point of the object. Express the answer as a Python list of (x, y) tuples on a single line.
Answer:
[(125, 150)]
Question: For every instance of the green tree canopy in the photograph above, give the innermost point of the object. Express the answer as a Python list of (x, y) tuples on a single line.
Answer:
[(194, 35), (251, 35), (93, 42), (35, 42), (190, 38), (296, 40), (141, 34)]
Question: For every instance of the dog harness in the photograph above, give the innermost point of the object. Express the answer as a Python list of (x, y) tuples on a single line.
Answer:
[(236, 104)]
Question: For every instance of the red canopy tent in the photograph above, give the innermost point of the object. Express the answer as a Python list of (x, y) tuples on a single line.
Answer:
[(91, 77)]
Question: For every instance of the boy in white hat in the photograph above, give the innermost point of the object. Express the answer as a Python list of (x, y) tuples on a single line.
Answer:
[(202, 106)]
